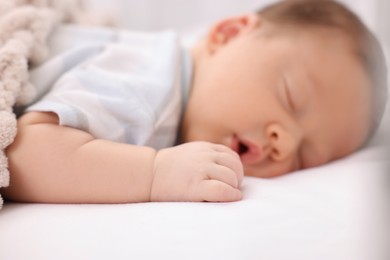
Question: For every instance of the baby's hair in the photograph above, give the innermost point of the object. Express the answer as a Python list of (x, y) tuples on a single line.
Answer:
[(304, 14)]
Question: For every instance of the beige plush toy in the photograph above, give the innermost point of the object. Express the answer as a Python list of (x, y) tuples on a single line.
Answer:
[(24, 29)]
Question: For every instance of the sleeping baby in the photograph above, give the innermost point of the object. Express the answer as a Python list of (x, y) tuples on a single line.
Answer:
[(138, 117)]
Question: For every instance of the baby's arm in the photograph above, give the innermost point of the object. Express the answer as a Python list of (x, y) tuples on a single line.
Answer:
[(56, 164)]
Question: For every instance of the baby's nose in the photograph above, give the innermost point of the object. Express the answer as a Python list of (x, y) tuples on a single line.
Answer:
[(283, 143)]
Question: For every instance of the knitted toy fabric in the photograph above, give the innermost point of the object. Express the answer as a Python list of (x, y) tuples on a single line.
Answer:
[(25, 26)]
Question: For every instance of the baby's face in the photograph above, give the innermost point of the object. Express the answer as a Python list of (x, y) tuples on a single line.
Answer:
[(283, 103)]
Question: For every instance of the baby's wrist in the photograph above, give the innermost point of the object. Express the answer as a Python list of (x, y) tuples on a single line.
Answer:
[(146, 177), (152, 195)]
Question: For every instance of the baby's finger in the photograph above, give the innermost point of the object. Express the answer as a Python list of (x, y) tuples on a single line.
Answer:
[(224, 174), (225, 149), (216, 191), (232, 163)]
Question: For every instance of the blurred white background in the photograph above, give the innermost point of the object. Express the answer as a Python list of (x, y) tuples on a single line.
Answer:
[(185, 15)]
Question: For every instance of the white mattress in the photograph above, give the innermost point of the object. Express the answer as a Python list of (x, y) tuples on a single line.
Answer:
[(331, 212)]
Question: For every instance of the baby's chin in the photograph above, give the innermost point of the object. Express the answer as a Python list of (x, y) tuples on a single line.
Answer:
[(264, 175), (262, 172)]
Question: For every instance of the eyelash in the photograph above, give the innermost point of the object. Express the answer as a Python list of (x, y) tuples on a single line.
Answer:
[(290, 102), (289, 99)]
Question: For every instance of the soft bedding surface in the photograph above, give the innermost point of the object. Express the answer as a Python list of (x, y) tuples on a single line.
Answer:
[(331, 212)]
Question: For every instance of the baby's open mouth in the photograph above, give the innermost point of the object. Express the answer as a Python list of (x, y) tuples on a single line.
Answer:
[(242, 148), (239, 146), (249, 152)]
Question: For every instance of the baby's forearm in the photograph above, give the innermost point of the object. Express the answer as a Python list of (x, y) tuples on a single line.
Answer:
[(54, 164)]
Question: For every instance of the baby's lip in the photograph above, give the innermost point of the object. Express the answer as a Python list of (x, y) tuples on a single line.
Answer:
[(248, 151), (235, 144)]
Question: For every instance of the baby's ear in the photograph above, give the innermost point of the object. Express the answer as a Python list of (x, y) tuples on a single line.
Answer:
[(228, 29)]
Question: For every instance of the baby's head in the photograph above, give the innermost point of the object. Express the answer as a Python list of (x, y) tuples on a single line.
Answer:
[(296, 85)]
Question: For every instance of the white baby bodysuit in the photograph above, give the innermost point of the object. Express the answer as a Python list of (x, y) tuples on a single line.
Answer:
[(121, 86)]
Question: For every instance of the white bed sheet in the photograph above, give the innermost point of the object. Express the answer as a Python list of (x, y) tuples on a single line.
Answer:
[(331, 212)]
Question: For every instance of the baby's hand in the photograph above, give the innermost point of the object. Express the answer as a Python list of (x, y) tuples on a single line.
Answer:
[(197, 171)]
